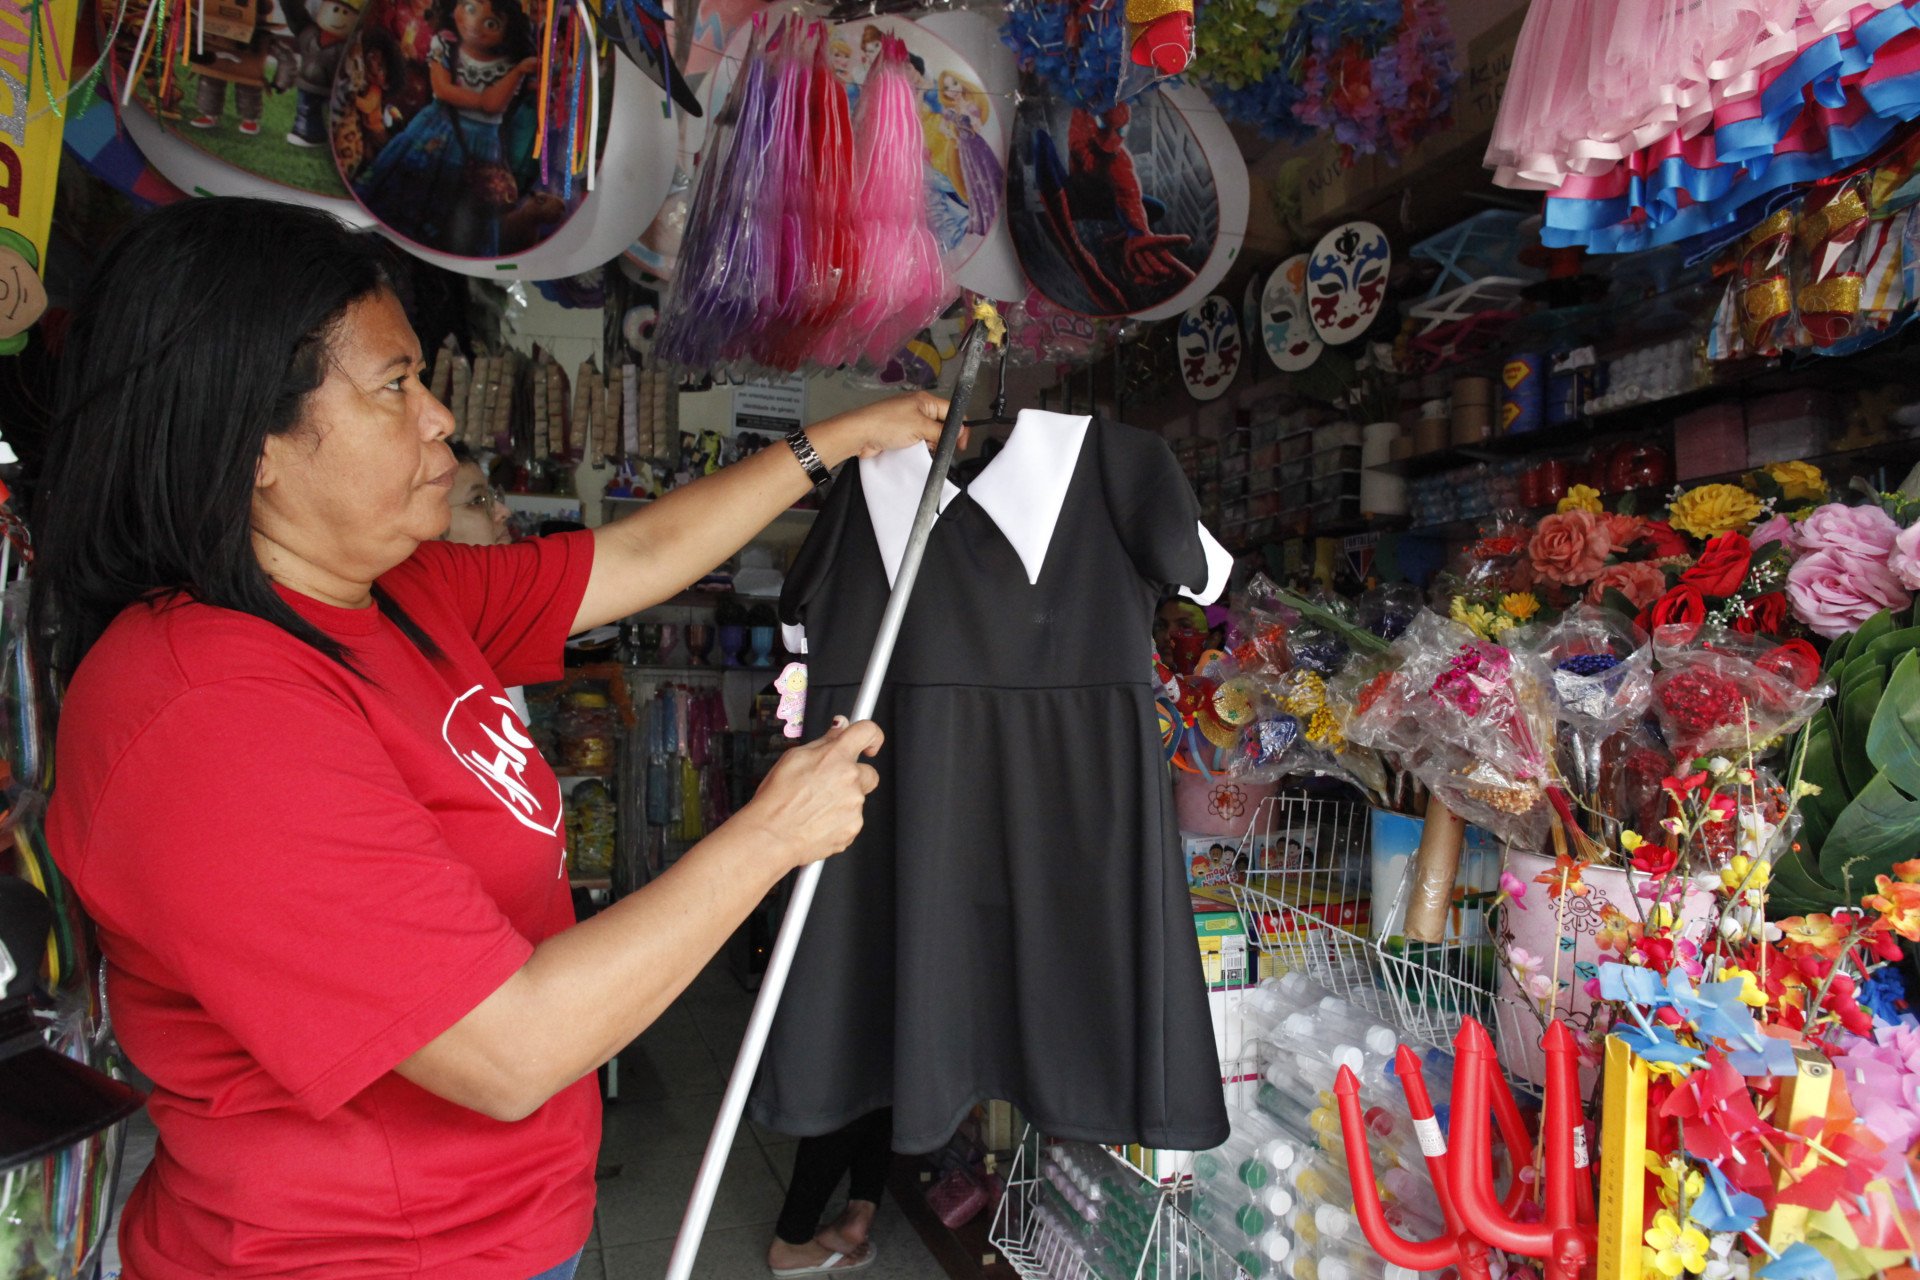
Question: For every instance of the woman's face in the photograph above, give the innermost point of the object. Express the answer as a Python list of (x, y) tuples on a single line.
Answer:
[(478, 520), (481, 28), (363, 480)]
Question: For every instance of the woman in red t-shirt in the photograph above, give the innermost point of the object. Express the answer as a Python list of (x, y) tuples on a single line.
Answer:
[(323, 855)]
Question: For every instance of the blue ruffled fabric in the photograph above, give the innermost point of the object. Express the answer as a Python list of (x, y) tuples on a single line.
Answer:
[(1683, 202)]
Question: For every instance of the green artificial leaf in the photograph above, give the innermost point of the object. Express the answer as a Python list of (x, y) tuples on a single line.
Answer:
[(1872, 629), (1821, 767), (1889, 648), (1881, 827), (1858, 699), (1611, 599), (1893, 735), (1795, 890), (1837, 650), (1358, 638)]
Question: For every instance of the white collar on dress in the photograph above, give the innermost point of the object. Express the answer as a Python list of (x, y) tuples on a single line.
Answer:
[(1022, 489)]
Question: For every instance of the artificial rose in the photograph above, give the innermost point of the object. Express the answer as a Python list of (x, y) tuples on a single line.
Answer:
[(1683, 606), (1570, 548), (1581, 497), (1864, 533), (1640, 582), (1796, 660), (1798, 481), (1664, 541), (1722, 566), (1905, 560), (1775, 529), (1766, 615), (1835, 593), (1713, 509), (1624, 531)]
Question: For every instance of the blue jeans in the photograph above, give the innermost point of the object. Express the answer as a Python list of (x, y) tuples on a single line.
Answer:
[(562, 1272)]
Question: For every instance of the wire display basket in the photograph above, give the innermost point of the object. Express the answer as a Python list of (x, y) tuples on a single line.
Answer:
[(1310, 896), (1039, 1234)]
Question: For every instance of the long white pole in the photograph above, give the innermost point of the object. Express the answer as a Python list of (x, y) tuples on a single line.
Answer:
[(686, 1247)]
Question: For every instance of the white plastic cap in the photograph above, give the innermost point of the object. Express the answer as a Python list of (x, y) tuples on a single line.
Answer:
[(1351, 1057), (1276, 1246), (1280, 1153), (1301, 1025), (1381, 1042), (1334, 1269), (1401, 1273), (1332, 1222), (1334, 1004), (1277, 1200)]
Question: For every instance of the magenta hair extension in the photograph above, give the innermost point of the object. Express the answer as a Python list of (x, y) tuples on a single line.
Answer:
[(819, 191), (903, 284)]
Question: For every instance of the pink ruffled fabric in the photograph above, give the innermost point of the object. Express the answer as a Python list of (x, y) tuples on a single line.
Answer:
[(1596, 81)]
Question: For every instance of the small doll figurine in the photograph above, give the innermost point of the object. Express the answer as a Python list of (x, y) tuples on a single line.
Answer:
[(1161, 33), (320, 48), (792, 684)]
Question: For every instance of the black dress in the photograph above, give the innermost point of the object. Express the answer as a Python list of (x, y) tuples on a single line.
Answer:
[(1013, 921)]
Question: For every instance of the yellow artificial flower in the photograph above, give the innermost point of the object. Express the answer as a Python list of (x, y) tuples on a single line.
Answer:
[(1520, 604), (1669, 1171), (1479, 619), (1750, 992), (1631, 841), (1672, 1248), (1713, 509), (1816, 931), (1580, 498), (1743, 872), (1798, 481)]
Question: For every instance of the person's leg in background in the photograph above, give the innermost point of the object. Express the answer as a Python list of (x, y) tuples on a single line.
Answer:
[(801, 1245)]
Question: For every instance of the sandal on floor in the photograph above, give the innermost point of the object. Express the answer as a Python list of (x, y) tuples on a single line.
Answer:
[(835, 1263)]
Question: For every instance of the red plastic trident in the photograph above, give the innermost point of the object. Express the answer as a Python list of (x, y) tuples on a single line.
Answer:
[(1564, 1238), (1459, 1247)]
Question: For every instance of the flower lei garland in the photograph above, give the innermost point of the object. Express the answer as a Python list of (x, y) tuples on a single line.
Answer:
[(1377, 74), (1076, 48)]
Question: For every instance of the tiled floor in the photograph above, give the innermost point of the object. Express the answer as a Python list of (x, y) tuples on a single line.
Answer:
[(671, 1080)]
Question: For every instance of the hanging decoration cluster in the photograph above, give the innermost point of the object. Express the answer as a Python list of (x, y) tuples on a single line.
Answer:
[(808, 242), (1652, 129), (1077, 51), (1376, 74)]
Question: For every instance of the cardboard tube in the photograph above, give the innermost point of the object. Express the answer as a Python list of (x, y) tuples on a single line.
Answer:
[(1436, 864)]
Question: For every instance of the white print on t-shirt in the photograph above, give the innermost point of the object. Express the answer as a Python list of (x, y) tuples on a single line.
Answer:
[(500, 761)]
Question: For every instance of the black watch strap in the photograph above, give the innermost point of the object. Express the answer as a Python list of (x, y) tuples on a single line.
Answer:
[(804, 453)]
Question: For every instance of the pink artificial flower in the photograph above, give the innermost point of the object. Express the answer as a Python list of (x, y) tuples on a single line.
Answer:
[(1777, 529), (1570, 548), (1834, 593), (1865, 533), (1905, 560), (1514, 888), (1638, 580)]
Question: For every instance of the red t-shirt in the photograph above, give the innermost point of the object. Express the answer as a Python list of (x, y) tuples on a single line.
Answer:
[(301, 876)]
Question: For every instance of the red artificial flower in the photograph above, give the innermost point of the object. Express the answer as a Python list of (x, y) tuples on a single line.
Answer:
[(1655, 860), (1680, 788), (1684, 606), (1720, 807), (1796, 661), (1657, 952), (1663, 540), (1766, 615), (1722, 566)]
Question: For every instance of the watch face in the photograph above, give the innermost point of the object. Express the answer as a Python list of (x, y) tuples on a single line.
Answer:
[(1209, 341), (1286, 330), (1347, 280)]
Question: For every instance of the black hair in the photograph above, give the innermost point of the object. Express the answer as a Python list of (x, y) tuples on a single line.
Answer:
[(462, 454), (202, 332), (519, 42)]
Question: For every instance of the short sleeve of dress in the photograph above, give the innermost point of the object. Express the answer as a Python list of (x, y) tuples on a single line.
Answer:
[(1156, 516), (814, 561), (441, 51), (518, 602), (256, 844)]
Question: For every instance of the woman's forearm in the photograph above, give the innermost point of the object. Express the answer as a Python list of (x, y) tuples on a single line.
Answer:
[(658, 551), (588, 991)]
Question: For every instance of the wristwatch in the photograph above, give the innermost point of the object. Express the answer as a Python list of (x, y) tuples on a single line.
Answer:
[(809, 460)]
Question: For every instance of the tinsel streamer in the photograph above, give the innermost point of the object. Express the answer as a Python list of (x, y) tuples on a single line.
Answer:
[(550, 38), (166, 59), (573, 115), (593, 94), (142, 46)]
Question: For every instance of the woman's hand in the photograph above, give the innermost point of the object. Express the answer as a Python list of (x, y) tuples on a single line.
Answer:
[(877, 428), (812, 805)]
